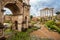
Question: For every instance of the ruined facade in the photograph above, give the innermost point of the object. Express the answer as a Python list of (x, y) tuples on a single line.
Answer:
[(19, 8), (47, 12)]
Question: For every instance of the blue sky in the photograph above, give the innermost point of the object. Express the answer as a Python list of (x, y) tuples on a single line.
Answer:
[(37, 5), (8, 11)]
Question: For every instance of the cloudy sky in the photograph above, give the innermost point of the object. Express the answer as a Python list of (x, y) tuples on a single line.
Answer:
[(37, 5)]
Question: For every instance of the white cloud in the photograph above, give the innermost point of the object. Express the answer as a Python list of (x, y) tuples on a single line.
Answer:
[(39, 4), (8, 11)]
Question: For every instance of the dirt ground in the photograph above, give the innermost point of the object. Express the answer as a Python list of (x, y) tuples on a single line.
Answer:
[(45, 33)]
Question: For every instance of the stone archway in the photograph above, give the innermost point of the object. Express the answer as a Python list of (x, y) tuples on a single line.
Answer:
[(15, 12), (18, 8), (13, 7)]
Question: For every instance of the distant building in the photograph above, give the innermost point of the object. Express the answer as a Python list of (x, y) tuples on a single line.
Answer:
[(46, 12)]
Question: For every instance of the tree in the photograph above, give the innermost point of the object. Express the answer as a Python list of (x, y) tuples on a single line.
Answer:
[(31, 17), (58, 15), (58, 12)]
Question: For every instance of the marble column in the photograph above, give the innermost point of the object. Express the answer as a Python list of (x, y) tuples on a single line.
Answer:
[(46, 13), (52, 13), (41, 13)]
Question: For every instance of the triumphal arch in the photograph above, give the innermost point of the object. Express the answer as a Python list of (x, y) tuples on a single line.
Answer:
[(20, 10)]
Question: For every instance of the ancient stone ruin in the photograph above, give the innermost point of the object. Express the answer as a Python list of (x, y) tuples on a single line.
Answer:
[(20, 10)]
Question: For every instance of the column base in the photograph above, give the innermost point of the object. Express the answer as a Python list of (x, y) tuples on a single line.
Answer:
[(20, 27)]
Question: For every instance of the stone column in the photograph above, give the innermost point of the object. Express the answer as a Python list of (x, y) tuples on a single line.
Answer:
[(43, 13), (52, 13), (20, 20), (46, 12), (1, 15), (27, 21)]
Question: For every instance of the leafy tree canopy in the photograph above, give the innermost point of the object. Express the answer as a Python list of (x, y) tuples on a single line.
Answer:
[(31, 16), (58, 12)]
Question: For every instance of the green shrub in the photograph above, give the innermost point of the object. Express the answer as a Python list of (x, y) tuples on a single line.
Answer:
[(52, 27), (50, 23), (58, 29)]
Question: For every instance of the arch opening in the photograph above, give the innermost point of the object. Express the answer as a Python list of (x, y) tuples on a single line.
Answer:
[(7, 11), (13, 8)]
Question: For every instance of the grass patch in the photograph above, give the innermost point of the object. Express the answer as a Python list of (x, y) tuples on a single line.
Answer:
[(21, 35)]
